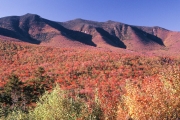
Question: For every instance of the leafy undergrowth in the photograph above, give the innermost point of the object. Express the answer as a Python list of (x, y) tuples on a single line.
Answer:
[(92, 84)]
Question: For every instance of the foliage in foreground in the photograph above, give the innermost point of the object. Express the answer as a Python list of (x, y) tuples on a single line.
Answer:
[(156, 98), (16, 95), (56, 106), (141, 101), (106, 84)]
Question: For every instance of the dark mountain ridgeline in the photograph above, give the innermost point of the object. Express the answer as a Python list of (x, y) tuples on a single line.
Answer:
[(111, 39), (71, 34), (147, 37)]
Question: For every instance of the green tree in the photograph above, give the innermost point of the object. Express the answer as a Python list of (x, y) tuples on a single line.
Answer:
[(11, 96)]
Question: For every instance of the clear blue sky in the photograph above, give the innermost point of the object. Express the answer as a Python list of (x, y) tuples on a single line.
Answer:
[(163, 13)]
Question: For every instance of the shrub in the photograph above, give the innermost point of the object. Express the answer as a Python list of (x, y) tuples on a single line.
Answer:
[(57, 106), (150, 99)]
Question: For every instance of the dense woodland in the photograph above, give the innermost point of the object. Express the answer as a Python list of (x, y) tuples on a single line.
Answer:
[(39, 82)]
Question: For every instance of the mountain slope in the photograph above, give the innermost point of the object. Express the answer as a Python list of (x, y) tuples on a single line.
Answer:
[(32, 28), (132, 37)]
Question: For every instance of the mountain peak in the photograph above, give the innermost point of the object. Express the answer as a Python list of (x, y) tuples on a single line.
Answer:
[(79, 19), (30, 14), (110, 21), (31, 17)]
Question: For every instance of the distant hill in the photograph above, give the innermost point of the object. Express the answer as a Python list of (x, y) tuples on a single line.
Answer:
[(34, 29)]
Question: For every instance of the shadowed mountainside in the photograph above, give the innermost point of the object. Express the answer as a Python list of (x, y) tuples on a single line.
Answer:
[(33, 29)]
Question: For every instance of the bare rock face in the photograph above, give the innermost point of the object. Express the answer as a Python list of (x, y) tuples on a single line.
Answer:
[(33, 29)]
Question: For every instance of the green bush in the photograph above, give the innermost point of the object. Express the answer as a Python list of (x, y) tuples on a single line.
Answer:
[(57, 106), (54, 106)]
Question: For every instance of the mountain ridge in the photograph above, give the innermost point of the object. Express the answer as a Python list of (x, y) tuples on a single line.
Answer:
[(34, 29)]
